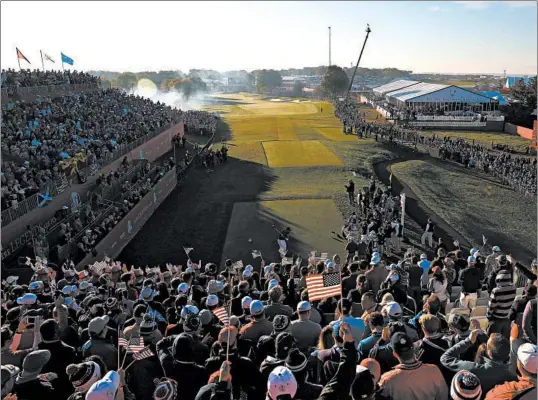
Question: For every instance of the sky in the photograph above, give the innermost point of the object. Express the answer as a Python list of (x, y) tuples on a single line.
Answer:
[(443, 37)]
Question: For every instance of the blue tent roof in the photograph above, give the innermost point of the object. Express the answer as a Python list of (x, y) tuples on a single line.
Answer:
[(512, 80), (496, 96)]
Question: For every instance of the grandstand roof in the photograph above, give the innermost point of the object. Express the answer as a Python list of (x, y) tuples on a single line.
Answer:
[(392, 86), (420, 89), (496, 96), (432, 92)]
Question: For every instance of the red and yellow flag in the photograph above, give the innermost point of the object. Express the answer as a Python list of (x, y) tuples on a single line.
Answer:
[(21, 56)]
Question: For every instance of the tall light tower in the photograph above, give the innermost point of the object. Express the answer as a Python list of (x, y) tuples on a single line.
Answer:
[(329, 46)]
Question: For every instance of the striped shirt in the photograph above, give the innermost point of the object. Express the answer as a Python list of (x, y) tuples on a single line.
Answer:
[(501, 300)]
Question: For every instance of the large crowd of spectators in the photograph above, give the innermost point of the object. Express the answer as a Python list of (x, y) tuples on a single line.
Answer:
[(43, 137), (202, 122), (26, 77), (518, 172), (235, 331)]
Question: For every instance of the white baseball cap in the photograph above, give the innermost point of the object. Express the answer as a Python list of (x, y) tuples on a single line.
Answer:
[(527, 354)]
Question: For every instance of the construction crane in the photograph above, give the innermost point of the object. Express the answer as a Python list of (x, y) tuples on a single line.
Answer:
[(368, 30)]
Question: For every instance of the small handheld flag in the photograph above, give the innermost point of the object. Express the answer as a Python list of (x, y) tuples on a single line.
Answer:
[(222, 315), (133, 345), (256, 253), (484, 240), (322, 286), (145, 353), (188, 250), (237, 265), (66, 59)]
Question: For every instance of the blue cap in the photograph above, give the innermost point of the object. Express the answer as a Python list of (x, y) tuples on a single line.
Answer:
[(256, 307), (35, 285), (249, 268), (304, 306), (247, 273), (189, 309), (246, 301), (183, 288), (272, 283), (28, 298), (212, 300)]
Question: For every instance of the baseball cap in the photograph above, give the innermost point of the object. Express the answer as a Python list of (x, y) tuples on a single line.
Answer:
[(256, 307), (471, 259), (247, 273), (189, 309), (401, 343), (423, 256), (246, 301), (249, 268), (460, 322), (526, 354), (11, 279), (280, 323), (212, 300), (214, 286), (106, 388), (98, 324), (272, 283), (473, 250), (281, 382), (496, 248), (183, 288), (393, 309), (304, 306), (27, 299)]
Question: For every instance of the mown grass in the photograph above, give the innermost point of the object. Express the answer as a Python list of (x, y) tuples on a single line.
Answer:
[(306, 153), (474, 206)]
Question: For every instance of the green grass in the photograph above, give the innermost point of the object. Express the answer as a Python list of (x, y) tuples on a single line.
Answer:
[(473, 205)]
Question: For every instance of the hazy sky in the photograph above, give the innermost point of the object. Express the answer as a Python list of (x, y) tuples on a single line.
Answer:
[(460, 36)]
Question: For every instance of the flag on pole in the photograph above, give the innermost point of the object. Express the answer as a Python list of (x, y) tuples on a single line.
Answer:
[(237, 265), (132, 345), (66, 59), (21, 56), (47, 57), (256, 253), (145, 353), (322, 286), (390, 178), (222, 315), (484, 240), (188, 249)]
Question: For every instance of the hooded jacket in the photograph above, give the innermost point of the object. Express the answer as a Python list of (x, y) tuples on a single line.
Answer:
[(176, 354)]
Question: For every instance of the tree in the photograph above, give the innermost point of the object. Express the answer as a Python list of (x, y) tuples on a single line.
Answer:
[(298, 87), (127, 80), (267, 79), (526, 93), (335, 80)]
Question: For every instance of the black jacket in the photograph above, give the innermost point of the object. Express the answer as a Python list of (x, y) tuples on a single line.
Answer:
[(35, 389), (245, 376), (349, 284), (141, 374), (340, 384), (61, 355), (469, 280)]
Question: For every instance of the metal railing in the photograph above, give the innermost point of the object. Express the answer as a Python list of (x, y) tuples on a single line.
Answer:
[(114, 190), (447, 123), (31, 203)]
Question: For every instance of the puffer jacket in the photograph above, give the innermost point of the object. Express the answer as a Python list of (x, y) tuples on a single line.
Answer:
[(525, 388)]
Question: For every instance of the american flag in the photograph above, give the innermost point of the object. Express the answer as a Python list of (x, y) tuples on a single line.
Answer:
[(132, 345), (145, 353), (222, 315), (237, 265), (322, 286)]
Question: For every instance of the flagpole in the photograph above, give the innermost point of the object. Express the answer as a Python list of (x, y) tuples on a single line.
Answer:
[(229, 318), (42, 62), (126, 351)]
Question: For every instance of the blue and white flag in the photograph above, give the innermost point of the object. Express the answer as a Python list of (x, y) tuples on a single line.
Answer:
[(67, 60)]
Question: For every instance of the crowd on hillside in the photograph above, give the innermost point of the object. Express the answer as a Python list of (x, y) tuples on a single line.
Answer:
[(233, 331), (202, 122), (43, 137), (518, 172), (26, 77)]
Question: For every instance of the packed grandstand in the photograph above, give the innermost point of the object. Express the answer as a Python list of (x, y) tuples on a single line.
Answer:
[(378, 321)]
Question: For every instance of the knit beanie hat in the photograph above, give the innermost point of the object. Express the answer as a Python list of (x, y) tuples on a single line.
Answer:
[(147, 326), (283, 343), (34, 362), (83, 376), (280, 323), (465, 386), (165, 389), (363, 385), (296, 361)]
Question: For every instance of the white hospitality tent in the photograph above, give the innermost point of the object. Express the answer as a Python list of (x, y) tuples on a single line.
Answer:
[(437, 96), (382, 90)]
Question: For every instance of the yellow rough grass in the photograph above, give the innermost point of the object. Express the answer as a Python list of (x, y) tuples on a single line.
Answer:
[(247, 151), (299, 154), (336, 134)]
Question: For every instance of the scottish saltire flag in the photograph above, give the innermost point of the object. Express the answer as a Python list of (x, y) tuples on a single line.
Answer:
[(48, 58), (67, 60), (188, 250)]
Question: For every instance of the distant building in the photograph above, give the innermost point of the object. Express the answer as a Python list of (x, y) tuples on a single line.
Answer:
[(511, 81)]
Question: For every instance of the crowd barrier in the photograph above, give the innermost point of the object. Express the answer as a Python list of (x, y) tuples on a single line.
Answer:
[(113, 243), (447, 124), (518, 130)]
